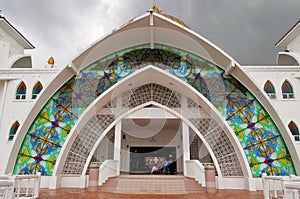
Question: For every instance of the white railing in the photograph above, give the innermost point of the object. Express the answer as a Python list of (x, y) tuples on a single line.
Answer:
[(286, 187), (194, 169), (109, 168), (27, 186), (20, 186), (6, 189), (292, 190)]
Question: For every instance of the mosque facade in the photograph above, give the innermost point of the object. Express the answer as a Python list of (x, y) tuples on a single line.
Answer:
[(151, 90)]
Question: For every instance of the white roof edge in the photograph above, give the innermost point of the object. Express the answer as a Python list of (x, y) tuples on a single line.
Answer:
[(16, 34), (198, 36), (274, 68), (289, 35), (188, 30), (108, 34), (27, 70)]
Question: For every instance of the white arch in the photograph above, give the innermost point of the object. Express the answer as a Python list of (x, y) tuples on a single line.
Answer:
[(14, 59), (161, 77)]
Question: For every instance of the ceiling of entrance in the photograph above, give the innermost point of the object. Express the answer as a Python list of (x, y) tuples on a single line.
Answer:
[(131, 124)]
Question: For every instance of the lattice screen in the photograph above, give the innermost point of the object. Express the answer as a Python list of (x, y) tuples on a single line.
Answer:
[(209, 128)]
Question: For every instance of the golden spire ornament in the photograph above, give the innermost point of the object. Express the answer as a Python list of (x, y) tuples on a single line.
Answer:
[(155, 9), (51, 62)]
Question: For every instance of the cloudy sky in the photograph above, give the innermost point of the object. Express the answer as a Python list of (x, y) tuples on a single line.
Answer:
[(247, 30)]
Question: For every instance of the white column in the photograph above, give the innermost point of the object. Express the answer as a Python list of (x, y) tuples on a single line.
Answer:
[(185, 145), (117, 144)]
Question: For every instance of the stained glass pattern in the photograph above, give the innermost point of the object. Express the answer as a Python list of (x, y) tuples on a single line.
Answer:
[(287, 90), (263, 145), (13, 131), (286, 87), (38, 87), (21, 91), (294, 130), (269, 88)]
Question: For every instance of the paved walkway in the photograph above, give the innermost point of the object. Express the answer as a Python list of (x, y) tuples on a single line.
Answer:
[(84, 193)]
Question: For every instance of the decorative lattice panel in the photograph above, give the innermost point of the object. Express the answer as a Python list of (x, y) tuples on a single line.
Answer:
[(230, 165), (161, 95), (204, 125), (219, 142), (126, 99), (94, 125), (194, 148), (74, 164), (84, 143), (192, 104), (141, 95)]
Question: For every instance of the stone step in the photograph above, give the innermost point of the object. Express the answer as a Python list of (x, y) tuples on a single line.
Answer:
[(110, 185), (152, 184)]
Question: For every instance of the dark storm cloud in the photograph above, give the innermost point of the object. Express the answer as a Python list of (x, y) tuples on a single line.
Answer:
[(247, 30)]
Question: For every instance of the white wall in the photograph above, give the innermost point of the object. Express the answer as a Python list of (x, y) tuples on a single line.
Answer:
[(11, 48), (294, 45), (4, 53)]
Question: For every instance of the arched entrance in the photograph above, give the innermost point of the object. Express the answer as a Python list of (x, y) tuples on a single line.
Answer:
[(213, 140), (237, 115)]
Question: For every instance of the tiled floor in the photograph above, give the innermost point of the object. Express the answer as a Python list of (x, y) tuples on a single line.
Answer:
[(84, 193)]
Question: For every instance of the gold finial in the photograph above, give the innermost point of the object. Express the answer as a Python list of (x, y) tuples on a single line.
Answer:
[(51, 62), (155, 9), (154, 3)]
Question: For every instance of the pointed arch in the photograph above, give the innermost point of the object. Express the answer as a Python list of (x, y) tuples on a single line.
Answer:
[(287, 90), (294, 130), (38, 87), (13, 130), (238, 106), (21, 91), (270, 90)]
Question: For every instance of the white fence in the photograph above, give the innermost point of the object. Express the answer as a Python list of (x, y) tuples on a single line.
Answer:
[(6, 189), (292, 190), (286, 187), (20, 186)]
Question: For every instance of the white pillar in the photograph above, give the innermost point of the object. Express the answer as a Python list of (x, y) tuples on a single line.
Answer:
[(117, 144), (185, 145)]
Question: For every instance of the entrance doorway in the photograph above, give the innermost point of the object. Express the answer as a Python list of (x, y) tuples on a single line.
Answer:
[(142, 159)]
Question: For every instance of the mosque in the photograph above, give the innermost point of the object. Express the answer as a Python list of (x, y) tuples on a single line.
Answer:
[(151, 90)]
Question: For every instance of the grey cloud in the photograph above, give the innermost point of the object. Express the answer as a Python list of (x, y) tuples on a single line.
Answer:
[(247, 30)]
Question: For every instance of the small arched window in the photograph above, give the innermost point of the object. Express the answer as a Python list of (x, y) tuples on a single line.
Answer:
[(287, 90), (294, 130), (38, 87), (270, 90), (13, 130), (21, 92)]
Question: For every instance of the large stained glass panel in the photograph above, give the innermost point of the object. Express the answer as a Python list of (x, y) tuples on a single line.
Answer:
[(262, 142)]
